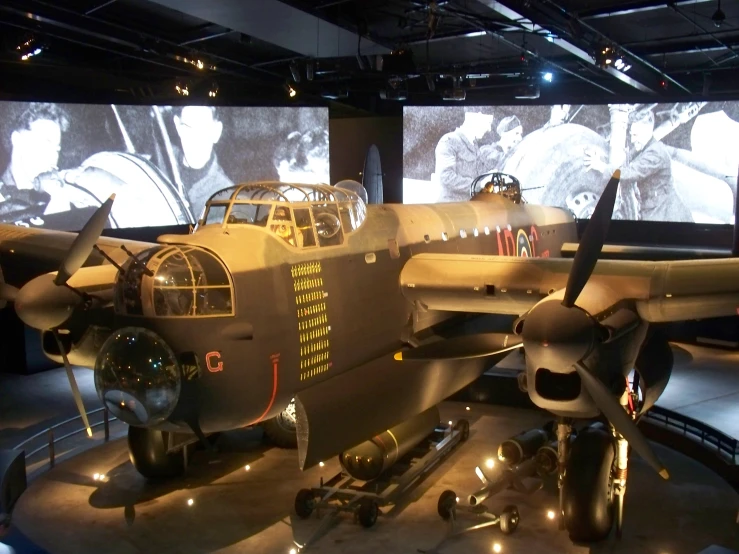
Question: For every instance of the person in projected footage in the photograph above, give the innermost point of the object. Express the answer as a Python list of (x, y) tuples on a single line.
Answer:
[(494, 155), (303, 158), (32, 184), (459, 158), (649, 169), (199, 130)]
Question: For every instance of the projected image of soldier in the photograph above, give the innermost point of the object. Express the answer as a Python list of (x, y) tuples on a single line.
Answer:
[(559, 114), (649, 168), (303, 158), (510, 131), (458, 157), (34, 143), (199, 130)]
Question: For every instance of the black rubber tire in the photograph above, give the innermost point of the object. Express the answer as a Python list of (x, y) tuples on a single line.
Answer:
[(464, 427), (279, 434), (368, 512), (305, 502), (147, 451), (447, 502), (587, 499), (509, 519)]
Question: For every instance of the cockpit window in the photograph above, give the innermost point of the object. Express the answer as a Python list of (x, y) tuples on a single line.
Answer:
[(249, 214), (301, 215), (215, 214), (179, 281)]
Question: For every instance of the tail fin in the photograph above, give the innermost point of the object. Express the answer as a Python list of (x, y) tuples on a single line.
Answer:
[(372, 176)]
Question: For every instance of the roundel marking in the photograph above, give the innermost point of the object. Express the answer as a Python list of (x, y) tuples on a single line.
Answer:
[(523, 245)]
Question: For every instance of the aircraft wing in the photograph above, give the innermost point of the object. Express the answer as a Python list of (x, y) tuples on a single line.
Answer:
[(26, 252), (654, 253), (661, 290)]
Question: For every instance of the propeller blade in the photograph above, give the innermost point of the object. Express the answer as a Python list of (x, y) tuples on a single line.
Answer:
[(84, 242), (618, 417), (73, 384), (592, 242), (465, 347), (8, 293)]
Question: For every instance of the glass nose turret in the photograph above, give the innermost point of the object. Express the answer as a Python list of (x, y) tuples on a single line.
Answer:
[(137, 377)]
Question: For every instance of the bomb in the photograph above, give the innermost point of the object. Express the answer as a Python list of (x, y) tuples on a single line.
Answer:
[(373, 457), (522, 446)]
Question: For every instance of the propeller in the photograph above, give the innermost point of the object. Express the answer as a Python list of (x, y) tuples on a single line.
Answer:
[(592, 242), (562, 335), (464, 347), (43, 305), (612, 409), (84, 242)]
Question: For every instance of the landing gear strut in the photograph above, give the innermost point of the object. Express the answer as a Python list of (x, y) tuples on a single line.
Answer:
[(564, 431)]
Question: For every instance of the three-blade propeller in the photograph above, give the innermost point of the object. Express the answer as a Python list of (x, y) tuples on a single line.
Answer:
[(32, 296)]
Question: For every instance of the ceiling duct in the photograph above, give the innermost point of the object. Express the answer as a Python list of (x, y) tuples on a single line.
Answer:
[(279, 24)]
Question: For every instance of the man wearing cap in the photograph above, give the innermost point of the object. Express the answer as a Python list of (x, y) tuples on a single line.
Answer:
[(510, 132), (458, 159), (649, 168)]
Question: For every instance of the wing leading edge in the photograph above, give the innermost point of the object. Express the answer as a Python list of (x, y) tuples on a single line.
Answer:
[(662, 291)]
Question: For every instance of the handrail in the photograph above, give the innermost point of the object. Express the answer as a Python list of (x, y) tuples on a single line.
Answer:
[(707, 434), (53, 441)]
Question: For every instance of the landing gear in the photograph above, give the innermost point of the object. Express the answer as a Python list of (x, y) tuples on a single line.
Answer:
[(281, 430), (147, 450), (587, 490)]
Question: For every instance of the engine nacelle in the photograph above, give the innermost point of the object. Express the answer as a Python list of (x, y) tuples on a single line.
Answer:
[(81, 350), (654, 366)]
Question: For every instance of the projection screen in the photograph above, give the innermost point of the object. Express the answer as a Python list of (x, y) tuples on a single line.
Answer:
[(61, 161), (678, 161)]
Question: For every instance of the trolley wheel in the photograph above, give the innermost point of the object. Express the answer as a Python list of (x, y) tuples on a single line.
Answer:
[(368, 512), (509, 519), (305, 502), (447, 502), (463, 426)]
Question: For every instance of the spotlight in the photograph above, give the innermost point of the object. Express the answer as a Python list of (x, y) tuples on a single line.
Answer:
[(321, 464), (247, 467), (190, 502), (295, 71), (497, 547), (550, 514), (291, 91), (467, 407), (490, 463), (293, 551), (182, 89), (29, 49), (605, 56), (213, 92), (548, 77), (718, 16)]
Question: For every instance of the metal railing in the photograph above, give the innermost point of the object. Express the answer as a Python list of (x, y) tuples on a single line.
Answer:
[(702, 433), (53, 440)]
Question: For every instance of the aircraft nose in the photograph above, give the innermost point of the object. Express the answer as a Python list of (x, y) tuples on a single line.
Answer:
[(137, 377)]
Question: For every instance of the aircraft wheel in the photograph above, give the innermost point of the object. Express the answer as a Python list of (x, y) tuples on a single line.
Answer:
[(305, 502), (587, 490), (281, 430), (509, 519), (369, 510), (147, 450), (447, 502), (463, 426)]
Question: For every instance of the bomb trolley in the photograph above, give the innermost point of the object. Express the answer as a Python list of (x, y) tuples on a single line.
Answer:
[(519, 456), (363, 499)]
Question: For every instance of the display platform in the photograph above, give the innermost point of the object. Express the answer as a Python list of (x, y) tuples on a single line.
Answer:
[(221, 507)]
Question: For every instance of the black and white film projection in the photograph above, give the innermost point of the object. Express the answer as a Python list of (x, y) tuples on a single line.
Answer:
[(678, 161), (58, 162)]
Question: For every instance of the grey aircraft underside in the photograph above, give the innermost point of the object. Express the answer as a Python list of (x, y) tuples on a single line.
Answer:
[(361, 317)]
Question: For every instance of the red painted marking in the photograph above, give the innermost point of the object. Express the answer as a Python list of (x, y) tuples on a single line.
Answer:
[(208, 361), (510, 243), (500, 245), (535, 239), (275, 362)]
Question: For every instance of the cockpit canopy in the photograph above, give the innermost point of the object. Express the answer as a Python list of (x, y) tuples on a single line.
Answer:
[(303, 216)]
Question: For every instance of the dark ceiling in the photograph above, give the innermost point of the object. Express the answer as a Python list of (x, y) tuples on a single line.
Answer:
[(363, 54)]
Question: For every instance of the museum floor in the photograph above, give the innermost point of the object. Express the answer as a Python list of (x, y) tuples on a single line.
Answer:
[(66, 510)]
